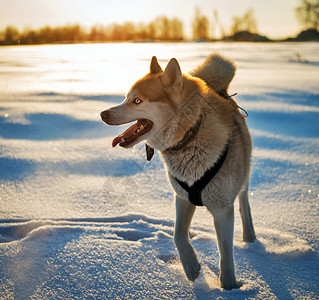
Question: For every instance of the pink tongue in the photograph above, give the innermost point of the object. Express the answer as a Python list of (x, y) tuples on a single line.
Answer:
[(127, 133), (116, 141)]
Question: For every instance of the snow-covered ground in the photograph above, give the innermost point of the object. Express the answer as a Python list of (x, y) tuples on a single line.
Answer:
[(81, 220)]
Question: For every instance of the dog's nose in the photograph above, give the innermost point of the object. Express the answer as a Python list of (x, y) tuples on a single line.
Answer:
[(104, 116)]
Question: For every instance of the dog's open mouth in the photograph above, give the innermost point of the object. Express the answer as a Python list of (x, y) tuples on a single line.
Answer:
[(131, 134)]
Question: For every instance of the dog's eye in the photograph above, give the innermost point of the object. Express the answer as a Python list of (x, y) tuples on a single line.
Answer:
[(137, 101)]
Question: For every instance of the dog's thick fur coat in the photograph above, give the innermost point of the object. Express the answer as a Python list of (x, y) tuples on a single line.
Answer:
[(168, 103)]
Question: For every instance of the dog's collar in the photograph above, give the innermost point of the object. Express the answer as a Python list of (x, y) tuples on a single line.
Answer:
[(188, 137)]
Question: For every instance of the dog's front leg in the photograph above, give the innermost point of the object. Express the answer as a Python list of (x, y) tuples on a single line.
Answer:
[(184, 214), (224, 226)]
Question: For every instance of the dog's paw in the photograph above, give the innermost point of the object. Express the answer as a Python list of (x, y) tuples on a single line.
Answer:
[(192, 269), (229, 283), (188, 258), (249, 237)]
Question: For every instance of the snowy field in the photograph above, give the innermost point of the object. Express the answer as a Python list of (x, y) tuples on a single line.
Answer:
[(81, 220)]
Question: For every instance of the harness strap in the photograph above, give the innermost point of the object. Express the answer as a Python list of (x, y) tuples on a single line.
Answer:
[(195, 191)]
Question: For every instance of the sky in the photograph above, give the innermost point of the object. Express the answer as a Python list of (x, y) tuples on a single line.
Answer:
[(275, 18)]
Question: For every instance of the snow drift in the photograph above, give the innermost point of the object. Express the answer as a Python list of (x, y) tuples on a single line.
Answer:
[(80, 220)]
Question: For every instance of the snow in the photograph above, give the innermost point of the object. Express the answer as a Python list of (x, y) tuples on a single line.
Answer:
[(82, 220)]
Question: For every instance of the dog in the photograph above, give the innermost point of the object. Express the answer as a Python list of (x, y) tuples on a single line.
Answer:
[(205, 145)]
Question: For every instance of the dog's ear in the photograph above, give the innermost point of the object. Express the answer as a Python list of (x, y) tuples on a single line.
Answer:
[(173, 75), (155, 67)]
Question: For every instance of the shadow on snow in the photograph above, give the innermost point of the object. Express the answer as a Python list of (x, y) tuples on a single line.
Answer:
[(18, 169)]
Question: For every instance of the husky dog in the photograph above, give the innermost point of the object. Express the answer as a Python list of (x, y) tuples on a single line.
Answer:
[(204, 143)]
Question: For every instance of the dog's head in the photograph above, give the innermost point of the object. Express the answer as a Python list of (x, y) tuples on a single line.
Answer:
[(154, 103)]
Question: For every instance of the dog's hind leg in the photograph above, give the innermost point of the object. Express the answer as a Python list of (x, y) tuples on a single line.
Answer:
[(224, 226), (184, 214), (244, 209)]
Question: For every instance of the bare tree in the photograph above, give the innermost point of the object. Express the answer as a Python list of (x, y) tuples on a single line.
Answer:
[(245, 23), (11, 35), (177, 29), (167, 29), (200, 26), (217, 26), (308, 13)]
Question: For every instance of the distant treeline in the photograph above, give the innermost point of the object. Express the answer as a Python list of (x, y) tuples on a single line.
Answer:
[(243, 28), (160, 29)]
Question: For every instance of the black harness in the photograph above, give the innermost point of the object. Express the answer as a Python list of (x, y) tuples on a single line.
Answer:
[(194, 191)]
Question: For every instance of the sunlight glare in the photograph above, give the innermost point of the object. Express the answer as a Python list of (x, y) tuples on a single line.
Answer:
[(81, 68)]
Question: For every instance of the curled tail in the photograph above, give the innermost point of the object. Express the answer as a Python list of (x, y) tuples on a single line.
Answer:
[(217, 71)]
